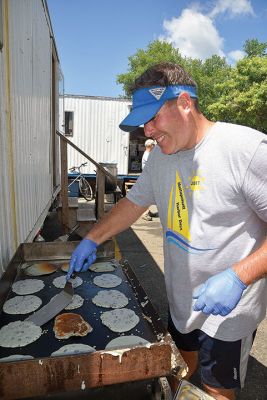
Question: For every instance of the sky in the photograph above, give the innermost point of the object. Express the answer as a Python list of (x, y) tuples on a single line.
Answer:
[(94, 38)]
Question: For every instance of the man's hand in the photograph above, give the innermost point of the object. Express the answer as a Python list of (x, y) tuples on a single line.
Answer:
[(219, 294), (83, 256)]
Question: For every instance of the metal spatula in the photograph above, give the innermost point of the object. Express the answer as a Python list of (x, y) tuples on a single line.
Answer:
[(55, 305)]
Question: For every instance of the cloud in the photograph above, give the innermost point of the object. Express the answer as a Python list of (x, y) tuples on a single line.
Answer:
[(232, 8), (235, 55), (195, 34)]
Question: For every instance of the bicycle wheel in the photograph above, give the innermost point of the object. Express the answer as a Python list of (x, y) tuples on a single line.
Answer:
[(85, 189)]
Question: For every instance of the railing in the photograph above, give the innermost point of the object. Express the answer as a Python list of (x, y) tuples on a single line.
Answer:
[(101, 173)]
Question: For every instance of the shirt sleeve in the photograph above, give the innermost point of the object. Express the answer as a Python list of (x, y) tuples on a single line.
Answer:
[(255, 182)]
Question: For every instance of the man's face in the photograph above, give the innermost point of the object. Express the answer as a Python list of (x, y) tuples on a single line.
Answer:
[(171, 127)]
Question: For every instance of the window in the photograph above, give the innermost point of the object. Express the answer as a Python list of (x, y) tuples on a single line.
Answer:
[(69, 123)]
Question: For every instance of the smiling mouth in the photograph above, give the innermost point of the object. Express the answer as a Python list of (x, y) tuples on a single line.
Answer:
[(159, 139)]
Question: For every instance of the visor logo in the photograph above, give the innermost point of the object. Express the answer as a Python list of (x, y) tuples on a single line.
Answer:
[(157, 92)]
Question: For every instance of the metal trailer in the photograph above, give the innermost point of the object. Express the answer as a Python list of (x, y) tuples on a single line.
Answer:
[(92, 123), (29, 90)]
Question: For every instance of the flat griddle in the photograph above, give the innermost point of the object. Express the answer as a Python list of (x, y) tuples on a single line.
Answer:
[(100, 335), (65, 372)]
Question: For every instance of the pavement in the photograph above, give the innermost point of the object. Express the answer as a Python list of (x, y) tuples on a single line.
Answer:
[(142, 246)]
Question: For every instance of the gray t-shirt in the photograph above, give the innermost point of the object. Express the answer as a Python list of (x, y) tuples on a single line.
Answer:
[(212, 203)]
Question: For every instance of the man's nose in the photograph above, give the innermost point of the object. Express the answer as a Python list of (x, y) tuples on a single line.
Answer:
[(149, 128)]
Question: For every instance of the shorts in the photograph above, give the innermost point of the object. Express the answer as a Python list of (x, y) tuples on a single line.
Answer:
[(222, 364)]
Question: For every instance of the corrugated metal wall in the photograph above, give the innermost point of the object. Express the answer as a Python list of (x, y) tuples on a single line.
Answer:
[(96, 131), (6, 234), (25, 152)]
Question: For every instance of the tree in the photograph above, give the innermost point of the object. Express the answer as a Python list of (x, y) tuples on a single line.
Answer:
[(156, 52), (234, 94), (253, 48), (206, 74), (243, 97)]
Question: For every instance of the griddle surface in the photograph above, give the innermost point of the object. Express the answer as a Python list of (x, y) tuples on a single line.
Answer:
[(100, 335)]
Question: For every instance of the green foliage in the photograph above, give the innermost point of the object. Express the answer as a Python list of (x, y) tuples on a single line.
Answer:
[(232, 94), (253, 48), (243, 98), (156, 52), (207, 74)]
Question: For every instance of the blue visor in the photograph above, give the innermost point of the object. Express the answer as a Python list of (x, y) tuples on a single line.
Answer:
[(147, 102)]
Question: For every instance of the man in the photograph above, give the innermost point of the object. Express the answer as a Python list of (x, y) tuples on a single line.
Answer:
[(208, 182), (149, 146)]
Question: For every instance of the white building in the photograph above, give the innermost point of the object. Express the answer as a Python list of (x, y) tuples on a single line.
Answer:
[(92, 123), (29, 75)]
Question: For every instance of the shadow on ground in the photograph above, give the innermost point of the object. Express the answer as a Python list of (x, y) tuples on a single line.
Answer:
[(256, 382)]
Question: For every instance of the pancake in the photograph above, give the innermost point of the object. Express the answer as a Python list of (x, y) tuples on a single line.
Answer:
[(70, 324), (65, 267), (120, 320), (76, 302), (40, 269), (122, 342), (107, 280), (22, 304), (16, 357), (102, 267), (110, 299), (19, 334), (60, 281), (75, 348), (28, 286)]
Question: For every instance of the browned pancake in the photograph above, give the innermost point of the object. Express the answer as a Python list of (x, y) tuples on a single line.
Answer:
[(65, 267), (40, 269), (71, 324)]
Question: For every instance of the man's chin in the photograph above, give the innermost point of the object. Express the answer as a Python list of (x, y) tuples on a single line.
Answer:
[(168, 152)]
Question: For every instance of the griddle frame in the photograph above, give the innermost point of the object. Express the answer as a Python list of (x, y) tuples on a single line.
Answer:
[(52, 375)]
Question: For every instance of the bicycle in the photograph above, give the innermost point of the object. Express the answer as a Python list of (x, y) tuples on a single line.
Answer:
[(84, 186)]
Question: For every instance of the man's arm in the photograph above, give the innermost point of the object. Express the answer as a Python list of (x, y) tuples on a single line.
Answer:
[(254, 266), (121, 217), (221, 293)]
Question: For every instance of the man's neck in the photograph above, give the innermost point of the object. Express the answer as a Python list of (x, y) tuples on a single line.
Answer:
[(202, 125)]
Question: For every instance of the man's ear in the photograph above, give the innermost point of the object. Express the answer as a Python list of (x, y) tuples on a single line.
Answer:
[(185, 100)]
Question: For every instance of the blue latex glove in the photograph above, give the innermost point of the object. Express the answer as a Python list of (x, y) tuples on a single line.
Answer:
[(83, 256), (219, 294)]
